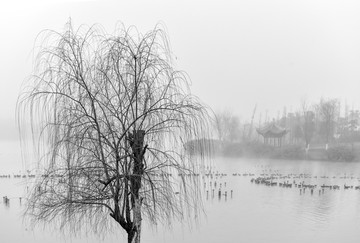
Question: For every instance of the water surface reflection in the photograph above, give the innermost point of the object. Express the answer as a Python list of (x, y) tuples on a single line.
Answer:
[(254, 213)]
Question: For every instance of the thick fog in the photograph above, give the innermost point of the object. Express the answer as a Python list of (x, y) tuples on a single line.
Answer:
[(237, 53)]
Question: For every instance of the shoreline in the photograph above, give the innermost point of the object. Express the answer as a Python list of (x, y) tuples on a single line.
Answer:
[(336, 152)]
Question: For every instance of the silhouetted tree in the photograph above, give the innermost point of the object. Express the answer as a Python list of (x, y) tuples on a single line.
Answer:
[(227, 126), (308, 124), (348, 127), (328, 112), (111, 116)]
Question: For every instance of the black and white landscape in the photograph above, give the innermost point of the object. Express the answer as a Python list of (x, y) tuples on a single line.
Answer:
[(179, 121)]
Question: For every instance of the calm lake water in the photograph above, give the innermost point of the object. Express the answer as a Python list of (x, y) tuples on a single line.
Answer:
[(255, 213)]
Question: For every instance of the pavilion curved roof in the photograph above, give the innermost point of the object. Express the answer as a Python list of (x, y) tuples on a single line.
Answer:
[(272, 130)]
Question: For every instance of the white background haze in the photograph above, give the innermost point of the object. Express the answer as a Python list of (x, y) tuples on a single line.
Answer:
[(237, 53)]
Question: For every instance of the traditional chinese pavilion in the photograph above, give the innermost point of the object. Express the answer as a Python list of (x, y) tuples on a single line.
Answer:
[(272, 134)]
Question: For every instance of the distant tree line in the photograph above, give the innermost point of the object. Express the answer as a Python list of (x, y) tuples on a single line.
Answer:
[(320, 124)]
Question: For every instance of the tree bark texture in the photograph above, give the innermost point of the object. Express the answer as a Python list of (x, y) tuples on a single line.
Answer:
[(136, 140)]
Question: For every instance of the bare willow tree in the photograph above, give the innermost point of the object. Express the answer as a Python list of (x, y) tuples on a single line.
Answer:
[(110, 116)]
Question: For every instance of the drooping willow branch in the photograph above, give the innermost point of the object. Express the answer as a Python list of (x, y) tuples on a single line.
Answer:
[(91, 97)]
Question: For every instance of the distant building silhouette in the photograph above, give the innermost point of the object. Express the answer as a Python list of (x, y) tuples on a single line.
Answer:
[(272, 134)]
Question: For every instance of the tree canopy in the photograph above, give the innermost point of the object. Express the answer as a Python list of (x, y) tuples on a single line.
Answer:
[(110, 116)]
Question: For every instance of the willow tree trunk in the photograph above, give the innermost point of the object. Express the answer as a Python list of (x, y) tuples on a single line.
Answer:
[(136, 140), (137, 221), (134, 233)]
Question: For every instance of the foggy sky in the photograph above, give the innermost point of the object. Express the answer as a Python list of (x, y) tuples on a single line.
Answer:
[(237, 53)]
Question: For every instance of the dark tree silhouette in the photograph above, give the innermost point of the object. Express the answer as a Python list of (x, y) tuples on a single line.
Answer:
[(110, 117)]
